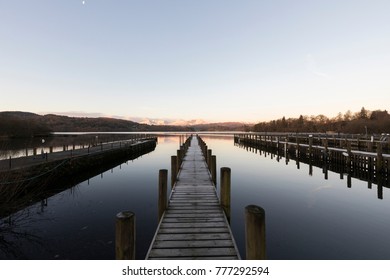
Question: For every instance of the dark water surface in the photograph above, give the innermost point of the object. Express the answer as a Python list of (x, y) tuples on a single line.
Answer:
[(307, 217)]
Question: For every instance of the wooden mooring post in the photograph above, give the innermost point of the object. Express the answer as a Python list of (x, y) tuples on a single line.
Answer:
[(225, 190), (214, 169), (255, 233), (178, 159), (379, 158), (125, 236), (208, 159), (162, 192), (310, 145), (174, 169)]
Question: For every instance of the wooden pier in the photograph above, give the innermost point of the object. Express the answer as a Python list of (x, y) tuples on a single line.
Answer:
[(25, 180), (67, 152), (371, 155), (194, 225), (335, 155)]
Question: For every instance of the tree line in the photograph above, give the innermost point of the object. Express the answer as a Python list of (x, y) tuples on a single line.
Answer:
[(362, 122)]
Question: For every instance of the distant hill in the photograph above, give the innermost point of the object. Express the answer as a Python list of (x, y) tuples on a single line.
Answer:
[(22, 124), (77, 124), (25, 124)]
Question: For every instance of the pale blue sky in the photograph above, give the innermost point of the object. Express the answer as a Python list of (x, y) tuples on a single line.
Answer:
[(216, 60)]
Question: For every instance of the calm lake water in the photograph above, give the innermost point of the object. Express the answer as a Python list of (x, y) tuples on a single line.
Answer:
[(307, 217)]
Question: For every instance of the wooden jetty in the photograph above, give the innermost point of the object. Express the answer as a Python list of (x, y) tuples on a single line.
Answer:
[(69, 152), (29, 179), (194, 224), (48, 168), (373, 155), (328, 153)]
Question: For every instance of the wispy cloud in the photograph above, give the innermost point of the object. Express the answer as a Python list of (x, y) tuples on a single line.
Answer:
[(312, 67)]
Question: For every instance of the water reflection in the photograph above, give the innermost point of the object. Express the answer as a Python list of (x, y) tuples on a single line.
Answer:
[(15, 229), (357, 171), (308, 217)]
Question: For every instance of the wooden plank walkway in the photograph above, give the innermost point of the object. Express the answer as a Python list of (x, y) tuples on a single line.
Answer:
[(194, 225), (34, 160)]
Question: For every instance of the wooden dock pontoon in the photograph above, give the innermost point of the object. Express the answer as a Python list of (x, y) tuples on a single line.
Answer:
[(194, 225)]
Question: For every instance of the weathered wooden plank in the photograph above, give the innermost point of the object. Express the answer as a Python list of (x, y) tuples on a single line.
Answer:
[(194, 220), (165, 224), (215, 200), (193, 196), (193, 252), (193, 244), (193, 236), (194, 230), (188, 208), (178, 214), (192, 204), (178, 210)]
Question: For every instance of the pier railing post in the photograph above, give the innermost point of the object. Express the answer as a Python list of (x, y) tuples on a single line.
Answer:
[(209, 153), (255, 233), (310, 145), (225, 190), (162, 192), (125, 236), (379, 158), (178, 153), (173, 170), (178, 160), (214, 169), (326, 151), (349, 156)]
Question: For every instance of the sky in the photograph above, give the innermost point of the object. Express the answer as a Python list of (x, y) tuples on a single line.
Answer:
[(216, 60)]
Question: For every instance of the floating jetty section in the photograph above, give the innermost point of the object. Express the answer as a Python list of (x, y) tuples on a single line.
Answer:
[(350, 156), (372, 155), (38, 176)]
